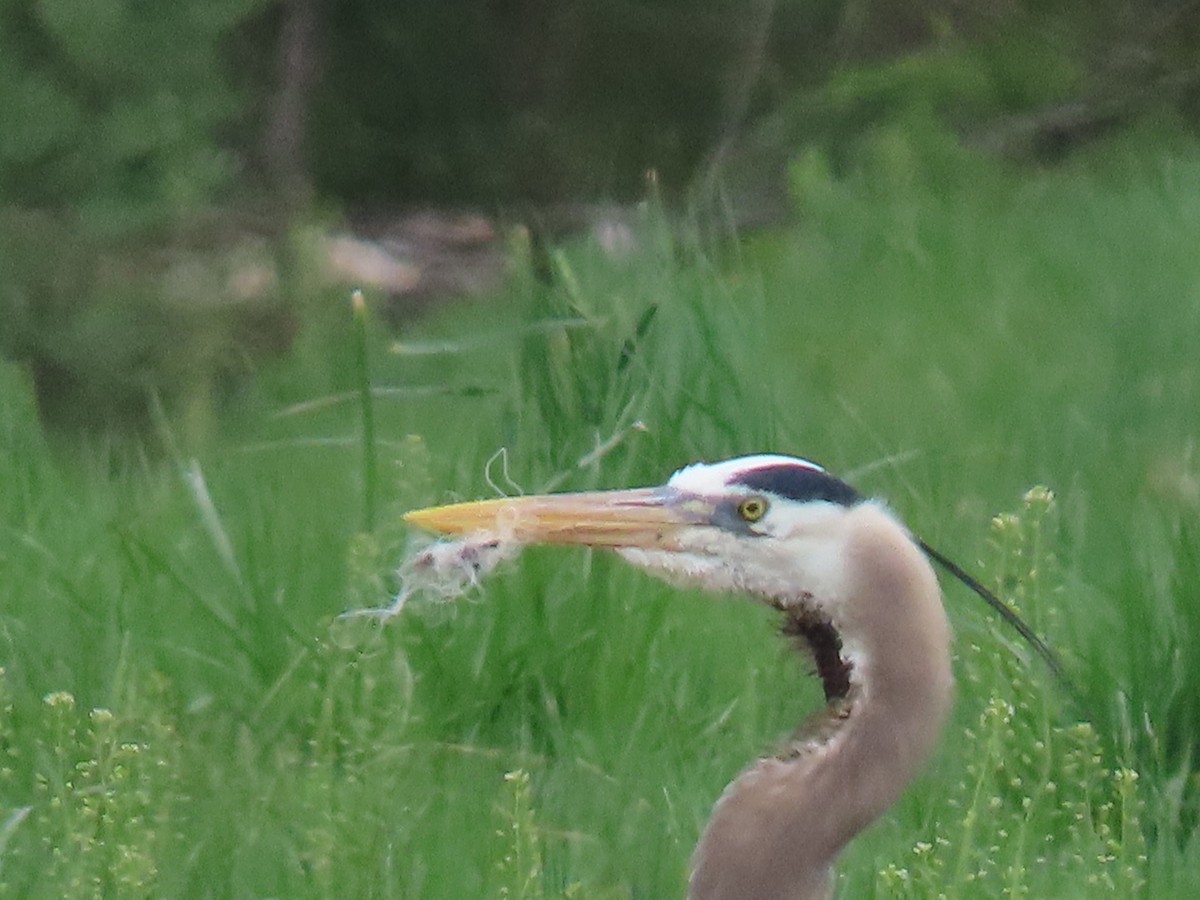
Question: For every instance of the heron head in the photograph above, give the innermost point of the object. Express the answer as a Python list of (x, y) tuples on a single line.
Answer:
[(766, 525)]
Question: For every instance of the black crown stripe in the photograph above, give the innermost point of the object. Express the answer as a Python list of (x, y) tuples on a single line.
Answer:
[(800, 483)]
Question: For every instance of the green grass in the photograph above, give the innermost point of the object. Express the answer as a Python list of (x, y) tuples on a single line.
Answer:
[(183, 714)]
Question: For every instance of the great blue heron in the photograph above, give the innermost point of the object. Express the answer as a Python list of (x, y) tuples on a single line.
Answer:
[(856, 590)]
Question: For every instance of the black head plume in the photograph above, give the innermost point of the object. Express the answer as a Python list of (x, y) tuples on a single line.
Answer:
[(1006, 612)]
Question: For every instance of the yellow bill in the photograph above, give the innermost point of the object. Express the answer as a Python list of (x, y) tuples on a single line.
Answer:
[(642, 517)]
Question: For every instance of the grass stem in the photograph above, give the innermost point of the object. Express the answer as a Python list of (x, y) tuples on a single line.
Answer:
[(370, 465)]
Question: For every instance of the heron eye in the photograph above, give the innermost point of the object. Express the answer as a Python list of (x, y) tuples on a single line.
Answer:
[(752, 509)]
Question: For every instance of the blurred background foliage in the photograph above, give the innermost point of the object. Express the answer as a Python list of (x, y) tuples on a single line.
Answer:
[(979, 272), (134, 115), (159, 163)]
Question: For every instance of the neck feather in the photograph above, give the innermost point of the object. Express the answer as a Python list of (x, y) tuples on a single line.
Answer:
[(780, 826)]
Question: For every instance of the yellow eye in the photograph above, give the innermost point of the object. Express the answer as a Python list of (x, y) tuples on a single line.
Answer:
[(752, 508)]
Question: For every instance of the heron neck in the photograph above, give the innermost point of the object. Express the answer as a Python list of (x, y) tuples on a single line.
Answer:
[(864, 766), (897, 642), (780, 826)]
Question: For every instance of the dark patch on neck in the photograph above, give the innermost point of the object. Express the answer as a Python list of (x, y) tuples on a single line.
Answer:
[(796, 482), (825, 644)]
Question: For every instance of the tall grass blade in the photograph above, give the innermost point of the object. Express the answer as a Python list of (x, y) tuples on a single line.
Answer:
[(370, 464)]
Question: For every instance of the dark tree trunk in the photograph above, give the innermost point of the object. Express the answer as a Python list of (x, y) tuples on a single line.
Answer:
[(287, 123)]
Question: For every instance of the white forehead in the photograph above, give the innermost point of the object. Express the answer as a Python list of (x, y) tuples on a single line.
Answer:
[(708, 478)]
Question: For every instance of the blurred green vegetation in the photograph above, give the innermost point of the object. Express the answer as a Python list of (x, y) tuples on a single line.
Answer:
[(537, 100), (185, 712), (160, 167), (113, 111), (130, 117), (986, 283)]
